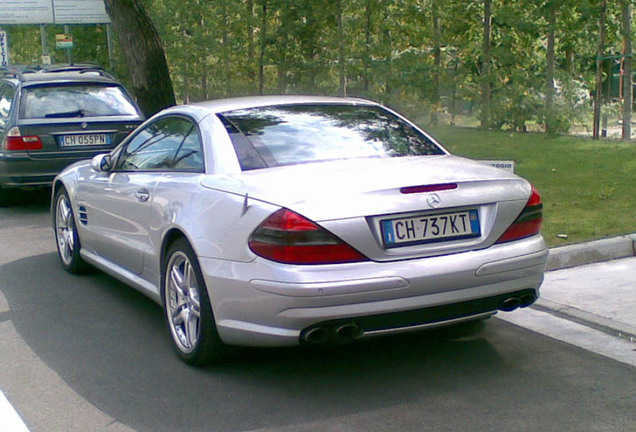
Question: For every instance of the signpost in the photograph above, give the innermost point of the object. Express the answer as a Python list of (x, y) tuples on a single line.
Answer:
[(4, 49), (44, 12), (80, 12), (53, 12), (26, 12), (63, 41)]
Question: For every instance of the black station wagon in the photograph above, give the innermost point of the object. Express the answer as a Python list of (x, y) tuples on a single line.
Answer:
[(52, 117)]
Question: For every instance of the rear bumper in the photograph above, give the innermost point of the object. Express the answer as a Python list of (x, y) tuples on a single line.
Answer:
[(21, 170), (268, 304)]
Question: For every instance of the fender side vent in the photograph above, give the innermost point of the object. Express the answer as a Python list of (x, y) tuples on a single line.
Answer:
[(83, 215)]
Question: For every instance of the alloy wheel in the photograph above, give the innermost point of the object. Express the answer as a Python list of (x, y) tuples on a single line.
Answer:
[(65, 229), (182, 302)]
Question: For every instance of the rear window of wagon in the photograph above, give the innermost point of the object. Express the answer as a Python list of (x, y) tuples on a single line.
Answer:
[(75, 100)]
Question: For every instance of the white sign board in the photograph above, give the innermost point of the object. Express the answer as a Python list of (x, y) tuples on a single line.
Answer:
[(80, 12), (26, 12), (507, 165), (53, 12), (4, 49)]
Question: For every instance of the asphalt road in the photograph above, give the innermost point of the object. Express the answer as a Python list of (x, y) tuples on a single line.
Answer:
[(90, 354)]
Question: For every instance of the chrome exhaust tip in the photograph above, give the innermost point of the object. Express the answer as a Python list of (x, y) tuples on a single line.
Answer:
[(316, 335), (527, 300), (348, 331), (510, 304)]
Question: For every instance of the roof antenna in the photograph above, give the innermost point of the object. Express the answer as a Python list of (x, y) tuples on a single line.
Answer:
[(246, 204)]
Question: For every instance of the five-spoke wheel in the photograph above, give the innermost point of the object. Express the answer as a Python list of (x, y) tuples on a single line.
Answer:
[(66, 236), (187, 308)]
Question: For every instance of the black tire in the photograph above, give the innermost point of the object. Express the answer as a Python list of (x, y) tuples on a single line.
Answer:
[(5, 197), (66, 236), (187, 308)]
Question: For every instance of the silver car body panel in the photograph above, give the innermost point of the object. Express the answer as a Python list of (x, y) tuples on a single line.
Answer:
[(261, 302)]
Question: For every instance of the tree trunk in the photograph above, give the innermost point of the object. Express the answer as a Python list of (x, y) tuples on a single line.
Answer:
[(628, 99), (186, 84), (283, 47), (342, 70), (263, 41), (282, 61), (598, 96), (388, 86), (225, 42), (549, 70), (570, 60), (367, 45), (437, 58), (485, 67), (144, 54), (250, 41)]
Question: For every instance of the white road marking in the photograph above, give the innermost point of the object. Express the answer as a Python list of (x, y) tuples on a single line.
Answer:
[(575, 334), (10, 421)]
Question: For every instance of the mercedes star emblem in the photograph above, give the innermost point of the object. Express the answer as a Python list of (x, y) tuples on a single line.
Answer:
[(434, 200)]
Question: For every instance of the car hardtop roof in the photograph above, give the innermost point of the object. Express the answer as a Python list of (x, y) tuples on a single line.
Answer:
[(22, 71), (231, 104), (66, 77)]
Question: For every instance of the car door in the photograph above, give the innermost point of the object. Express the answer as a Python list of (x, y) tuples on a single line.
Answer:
[(118, 207)]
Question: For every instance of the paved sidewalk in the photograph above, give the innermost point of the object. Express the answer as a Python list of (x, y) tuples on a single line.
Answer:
[(600, 295), (594, 284)]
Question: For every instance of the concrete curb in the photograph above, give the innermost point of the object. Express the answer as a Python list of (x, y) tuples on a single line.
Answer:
[(588, 253), (595, 251), (570, 313)]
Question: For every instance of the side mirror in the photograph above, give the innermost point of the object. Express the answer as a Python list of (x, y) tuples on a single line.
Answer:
[(101, 163)]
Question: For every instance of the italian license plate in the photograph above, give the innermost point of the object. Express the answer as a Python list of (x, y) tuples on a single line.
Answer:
[(427, 228), (84, 140)]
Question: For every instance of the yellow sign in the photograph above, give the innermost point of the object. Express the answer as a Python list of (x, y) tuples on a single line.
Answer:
[(63, 41)]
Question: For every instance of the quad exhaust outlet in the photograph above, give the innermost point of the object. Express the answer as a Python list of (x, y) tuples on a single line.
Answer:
[(341, 332), (513, 303), (334, 334)]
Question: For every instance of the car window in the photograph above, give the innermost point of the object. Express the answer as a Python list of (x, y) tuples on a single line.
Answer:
[(6, 96), (75, 100), (292, 134), (190, 155), (168, 144)]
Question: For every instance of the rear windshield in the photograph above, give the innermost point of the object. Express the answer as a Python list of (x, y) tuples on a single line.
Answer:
[(294, 134), (75, 100)]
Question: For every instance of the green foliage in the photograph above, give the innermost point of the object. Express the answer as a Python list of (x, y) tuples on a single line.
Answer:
[(388, 47), (586, 186), (90, 44)]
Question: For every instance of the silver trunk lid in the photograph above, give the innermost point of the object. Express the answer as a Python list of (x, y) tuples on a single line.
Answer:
[(352, 198)]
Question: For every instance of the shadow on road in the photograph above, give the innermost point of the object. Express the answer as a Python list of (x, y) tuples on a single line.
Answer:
[(26, 198), (108, 342), (106, 339)]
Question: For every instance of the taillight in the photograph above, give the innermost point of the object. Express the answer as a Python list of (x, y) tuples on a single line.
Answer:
[(15, 141), (528, 223), (290, 238)]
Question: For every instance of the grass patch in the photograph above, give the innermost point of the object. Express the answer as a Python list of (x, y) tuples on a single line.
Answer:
[(587, 186)]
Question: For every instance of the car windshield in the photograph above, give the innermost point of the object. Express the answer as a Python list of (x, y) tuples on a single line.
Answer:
[(75, 100), (294, 134)]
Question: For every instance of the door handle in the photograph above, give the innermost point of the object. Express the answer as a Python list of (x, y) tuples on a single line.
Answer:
[(142, 195)]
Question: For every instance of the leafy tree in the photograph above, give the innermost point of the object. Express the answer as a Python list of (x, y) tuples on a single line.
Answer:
[(144, 54), (626, 72), (518, 63)]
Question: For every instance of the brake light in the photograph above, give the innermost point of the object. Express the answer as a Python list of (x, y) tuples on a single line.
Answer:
[(428, 188), (528, 223), (15, 141), (290, 238)]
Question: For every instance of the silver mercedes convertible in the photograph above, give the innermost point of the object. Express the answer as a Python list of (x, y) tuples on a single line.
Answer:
[(273, 221)]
